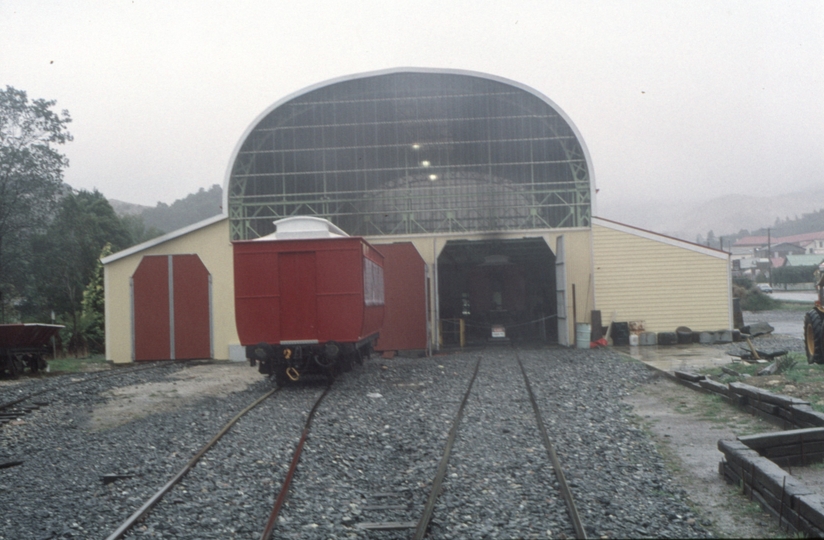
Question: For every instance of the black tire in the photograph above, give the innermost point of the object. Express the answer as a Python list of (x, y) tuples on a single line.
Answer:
[(814, 336)]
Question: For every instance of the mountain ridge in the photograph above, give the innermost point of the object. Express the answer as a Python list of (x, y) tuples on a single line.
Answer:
[(726, 215)]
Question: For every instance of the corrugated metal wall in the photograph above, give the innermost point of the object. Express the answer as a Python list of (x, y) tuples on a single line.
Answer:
[(643, 276)]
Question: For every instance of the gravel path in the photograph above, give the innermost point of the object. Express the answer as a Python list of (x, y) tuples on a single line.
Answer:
[(376, 442)]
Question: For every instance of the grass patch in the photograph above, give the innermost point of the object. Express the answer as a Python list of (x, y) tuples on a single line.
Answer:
[(786, 305), (76, 365)]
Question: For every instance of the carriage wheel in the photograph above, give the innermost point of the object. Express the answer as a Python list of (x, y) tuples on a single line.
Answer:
[(15, 366)]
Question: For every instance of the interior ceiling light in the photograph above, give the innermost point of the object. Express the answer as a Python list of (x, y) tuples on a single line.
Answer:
[(425, 163), (433, 177), (416, 146)]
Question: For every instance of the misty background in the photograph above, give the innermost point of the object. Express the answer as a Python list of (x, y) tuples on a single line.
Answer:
[(698, 116)]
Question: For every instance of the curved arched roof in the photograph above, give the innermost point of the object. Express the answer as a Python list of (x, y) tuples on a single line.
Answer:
[(411, 151)]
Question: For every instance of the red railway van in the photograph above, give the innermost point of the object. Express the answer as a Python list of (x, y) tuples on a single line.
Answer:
[(308, 298)]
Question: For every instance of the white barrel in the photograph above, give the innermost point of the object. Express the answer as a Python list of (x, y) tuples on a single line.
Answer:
[(582, 335), (633, 340)]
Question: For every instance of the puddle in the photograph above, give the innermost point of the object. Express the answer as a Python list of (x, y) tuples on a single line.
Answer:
[(678, 357)]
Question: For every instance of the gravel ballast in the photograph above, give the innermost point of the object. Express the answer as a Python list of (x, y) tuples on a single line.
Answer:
[(374, 449)]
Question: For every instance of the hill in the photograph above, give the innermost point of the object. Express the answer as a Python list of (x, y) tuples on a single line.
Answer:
[(122, 208), (167, 218), (726, 216)]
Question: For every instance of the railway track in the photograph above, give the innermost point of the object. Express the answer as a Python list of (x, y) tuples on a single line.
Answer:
[(175, 485), (371, 462), (392, 501), (141, 512)]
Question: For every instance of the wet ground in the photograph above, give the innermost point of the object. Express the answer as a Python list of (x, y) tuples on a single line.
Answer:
[(788, 324), (679, 357)]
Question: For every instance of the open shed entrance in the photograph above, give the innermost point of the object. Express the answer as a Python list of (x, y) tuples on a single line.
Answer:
[(487, 283)]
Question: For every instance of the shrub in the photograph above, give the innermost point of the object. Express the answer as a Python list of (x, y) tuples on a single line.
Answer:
[(755, 300)]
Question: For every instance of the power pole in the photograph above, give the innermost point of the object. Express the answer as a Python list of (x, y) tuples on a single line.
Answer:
[(769, 255)]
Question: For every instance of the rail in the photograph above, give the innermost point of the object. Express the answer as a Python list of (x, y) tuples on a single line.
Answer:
[(148, 505)]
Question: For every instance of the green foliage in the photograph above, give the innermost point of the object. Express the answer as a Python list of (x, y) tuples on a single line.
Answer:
[(195, 207), (73, 365), (138, 232), (752, 299), (93, 308), (794, 274), (811, 222), (743, 282), (31, 181), (67, 271), (755, 300), (785, 364)]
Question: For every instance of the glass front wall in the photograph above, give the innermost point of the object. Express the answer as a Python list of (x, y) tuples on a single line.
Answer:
[(412, 153)]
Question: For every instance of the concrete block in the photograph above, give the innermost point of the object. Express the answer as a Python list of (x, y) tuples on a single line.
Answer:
[(707, 338), (647, 338)]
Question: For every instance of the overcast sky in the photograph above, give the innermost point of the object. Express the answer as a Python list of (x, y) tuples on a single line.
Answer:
[(685, 100)]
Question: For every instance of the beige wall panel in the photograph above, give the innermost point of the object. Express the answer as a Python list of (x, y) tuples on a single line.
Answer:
[(211, 244), (665, 285)]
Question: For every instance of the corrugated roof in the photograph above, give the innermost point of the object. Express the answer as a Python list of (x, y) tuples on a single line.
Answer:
[(793, 239), (804, 260)]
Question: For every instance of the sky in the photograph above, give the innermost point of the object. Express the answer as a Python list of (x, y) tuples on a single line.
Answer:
[(675, 100)]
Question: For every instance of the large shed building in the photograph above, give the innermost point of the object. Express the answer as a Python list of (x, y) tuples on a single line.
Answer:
[(488, 179)]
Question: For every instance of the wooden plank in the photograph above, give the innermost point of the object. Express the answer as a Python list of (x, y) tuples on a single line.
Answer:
[(776, 479), (811, 508), (768, 408), (715, 386), (687, 376), (797, 460), (781, 438), (386, 507), (808, 449), (809, 530), (805, 413), (764, 395)]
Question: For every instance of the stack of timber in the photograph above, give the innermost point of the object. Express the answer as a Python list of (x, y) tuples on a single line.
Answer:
[(785, 411), (795, 447), (796, 507)]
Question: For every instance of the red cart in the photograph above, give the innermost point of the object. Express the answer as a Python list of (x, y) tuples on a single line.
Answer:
[(23, 345)]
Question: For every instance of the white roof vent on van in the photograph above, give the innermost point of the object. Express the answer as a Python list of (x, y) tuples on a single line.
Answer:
[(304, 227)]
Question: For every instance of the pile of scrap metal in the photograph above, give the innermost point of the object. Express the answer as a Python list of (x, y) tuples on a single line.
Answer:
[(751, 354)]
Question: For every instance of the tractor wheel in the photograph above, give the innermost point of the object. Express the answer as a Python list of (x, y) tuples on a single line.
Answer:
[(814, 336)]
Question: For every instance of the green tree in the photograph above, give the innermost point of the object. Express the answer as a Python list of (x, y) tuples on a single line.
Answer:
[(31, 176), (138, 231), (67, 257), (92, 325), (191, 209)]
